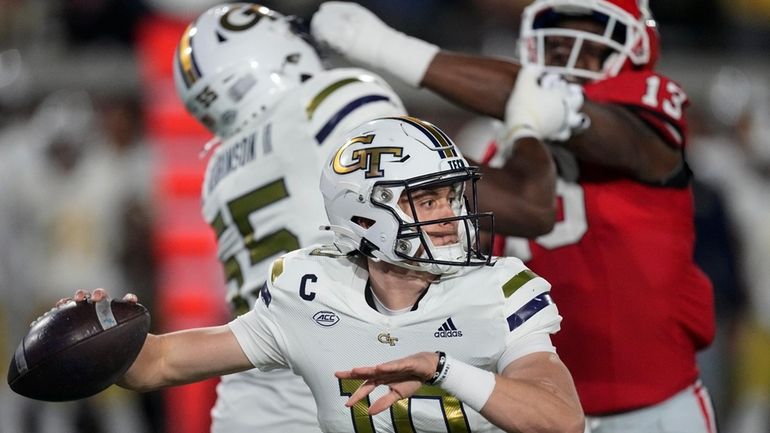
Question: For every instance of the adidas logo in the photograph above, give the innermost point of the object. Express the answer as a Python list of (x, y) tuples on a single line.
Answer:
[(448, 330)]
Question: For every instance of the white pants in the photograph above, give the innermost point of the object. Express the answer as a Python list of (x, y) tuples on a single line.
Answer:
[(688, 411)]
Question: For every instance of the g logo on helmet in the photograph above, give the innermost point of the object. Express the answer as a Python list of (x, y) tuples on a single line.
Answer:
[(367, 159), (256, 12)]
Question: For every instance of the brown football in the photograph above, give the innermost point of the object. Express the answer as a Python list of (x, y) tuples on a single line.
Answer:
[(78, 349)]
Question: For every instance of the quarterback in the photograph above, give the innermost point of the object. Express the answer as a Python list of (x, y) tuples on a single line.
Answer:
[(620, 252), (254, 79), (402, 323)]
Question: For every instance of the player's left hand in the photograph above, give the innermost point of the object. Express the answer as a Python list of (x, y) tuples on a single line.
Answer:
[(362, 37), (403, 376)]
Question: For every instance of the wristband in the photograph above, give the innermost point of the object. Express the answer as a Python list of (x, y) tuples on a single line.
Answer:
[(471, 385), (440, 368), (522, 131), (507, 144), (406, 57)]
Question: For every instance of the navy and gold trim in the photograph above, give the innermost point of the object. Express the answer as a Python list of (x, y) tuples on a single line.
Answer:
[(186, 58), (441, 142), (518, 280), (344, 111), (325, 93), (528, 310)]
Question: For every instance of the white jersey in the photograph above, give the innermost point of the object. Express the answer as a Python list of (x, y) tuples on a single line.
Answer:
[(260, 194), (316, 317)]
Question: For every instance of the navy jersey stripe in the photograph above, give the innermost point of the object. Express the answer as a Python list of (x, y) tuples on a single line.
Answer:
[(528, 310), (337, 117)]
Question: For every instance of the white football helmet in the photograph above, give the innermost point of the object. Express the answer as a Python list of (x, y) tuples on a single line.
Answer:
[(389, 158), (630, 35), (235, 59)]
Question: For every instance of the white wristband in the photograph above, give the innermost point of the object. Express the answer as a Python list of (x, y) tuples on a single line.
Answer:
[(507, 143), (407, 57), (469, 384)]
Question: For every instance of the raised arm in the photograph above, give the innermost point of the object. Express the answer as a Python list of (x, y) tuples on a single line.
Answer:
[(619, 139), (616, 138), (519, 184), (522, 193), (481, 84)]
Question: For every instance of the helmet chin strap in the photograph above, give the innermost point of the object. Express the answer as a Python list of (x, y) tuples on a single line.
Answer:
[(455, 251), (432, 268), (451, 252)]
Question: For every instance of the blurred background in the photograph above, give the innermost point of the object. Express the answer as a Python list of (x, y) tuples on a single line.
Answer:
[(100, 174)]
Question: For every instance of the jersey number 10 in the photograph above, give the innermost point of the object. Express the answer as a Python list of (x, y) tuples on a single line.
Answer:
[(400, 413)]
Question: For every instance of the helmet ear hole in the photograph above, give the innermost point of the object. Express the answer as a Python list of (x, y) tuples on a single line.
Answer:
[(363, 221)]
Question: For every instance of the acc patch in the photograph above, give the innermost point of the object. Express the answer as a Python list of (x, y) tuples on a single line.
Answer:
[(326, 318)]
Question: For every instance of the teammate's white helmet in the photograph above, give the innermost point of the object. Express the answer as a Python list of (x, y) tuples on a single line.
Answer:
[(383, 160), (235, 59)]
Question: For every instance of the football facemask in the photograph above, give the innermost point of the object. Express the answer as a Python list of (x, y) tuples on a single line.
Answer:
[(625, 37)]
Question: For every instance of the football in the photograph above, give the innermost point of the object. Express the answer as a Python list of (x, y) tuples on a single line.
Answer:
[(78, 349)]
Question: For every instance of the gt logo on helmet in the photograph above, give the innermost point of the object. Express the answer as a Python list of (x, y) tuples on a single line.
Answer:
[(367, 159), (256, 11)]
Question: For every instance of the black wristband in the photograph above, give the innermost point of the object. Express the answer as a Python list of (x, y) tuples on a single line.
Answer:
[(439, 368)]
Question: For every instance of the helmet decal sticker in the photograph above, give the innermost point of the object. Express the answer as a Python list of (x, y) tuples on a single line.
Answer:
[(367, 159)]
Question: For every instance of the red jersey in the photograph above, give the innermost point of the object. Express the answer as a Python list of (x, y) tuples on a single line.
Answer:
[(636, 307)]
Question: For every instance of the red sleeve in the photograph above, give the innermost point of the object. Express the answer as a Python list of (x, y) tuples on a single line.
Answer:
[(657, 100)]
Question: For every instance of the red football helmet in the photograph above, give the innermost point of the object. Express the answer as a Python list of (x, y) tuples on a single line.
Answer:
[(630, 35)]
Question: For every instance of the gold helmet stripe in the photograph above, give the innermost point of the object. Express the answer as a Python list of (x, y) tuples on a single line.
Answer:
[(442, 143), (190, 71)]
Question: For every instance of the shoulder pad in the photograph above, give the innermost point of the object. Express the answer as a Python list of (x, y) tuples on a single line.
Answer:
[(513, 274), (341, 99)]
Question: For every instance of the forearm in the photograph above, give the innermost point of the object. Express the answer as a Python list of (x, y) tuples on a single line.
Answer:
[(521, 194), (533, 394), (184, 357), (619, 139), (518, 405), (520, 211), (480, 84)]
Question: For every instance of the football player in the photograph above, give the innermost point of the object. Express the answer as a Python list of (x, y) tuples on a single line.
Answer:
[(620, 255), (403, 297), (253, 77)]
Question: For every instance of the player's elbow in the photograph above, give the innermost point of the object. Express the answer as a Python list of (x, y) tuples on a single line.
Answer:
[(544, 222), (147, 371), (573, 423), (537, 221)]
